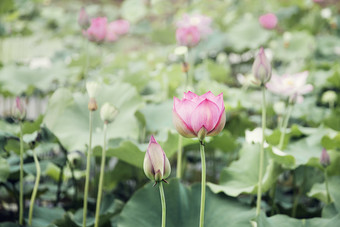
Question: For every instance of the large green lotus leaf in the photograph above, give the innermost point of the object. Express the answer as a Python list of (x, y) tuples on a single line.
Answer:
[(19, 79), (319, 192), (43, 217), (285, 221), (247, 34), (334, 185), (242, 175), (67, 116), (158, 116), (304, 151), (183, 208), (4, 170), (133, 153), (300, 46)]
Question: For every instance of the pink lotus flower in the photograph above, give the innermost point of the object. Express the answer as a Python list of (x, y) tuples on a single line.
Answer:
[(156, 164), (268, 21), (97, 30), (188, 36), (201, 22), (262, 69), (199, 116), (116, 29), (120, 27), (83, 19), (290, 85)]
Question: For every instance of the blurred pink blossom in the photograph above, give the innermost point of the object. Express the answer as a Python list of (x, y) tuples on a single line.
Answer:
[(202, 22), (83, 19), (268, 21), (97, 30), (120, 27), (188, 36), (290, 85)]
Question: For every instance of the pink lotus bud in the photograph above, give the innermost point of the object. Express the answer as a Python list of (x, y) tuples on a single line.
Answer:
[(324, 158), (83, 19), (97, 30), (262, 69), (188, 36), (156, 164), (199, 116), (19, 110), (268, 21)]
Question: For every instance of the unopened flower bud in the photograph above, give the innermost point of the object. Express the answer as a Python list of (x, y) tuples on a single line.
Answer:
[(156, 164), (262, 69), (324, 158), (19, 110), (92, 105), (329, 97), (92, 88), (108, 112), (83, 19)]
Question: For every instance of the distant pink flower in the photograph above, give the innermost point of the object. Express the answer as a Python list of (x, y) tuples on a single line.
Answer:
[(202, 22), (120, 27), (116, 29), (268, 21), (324, 158), (97, 30), (188, 36), (290, 85), (83, 19), (199, 116)]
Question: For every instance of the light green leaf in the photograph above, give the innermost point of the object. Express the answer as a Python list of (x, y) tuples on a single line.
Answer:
[(67, 117), (242, 175), (183, 207)]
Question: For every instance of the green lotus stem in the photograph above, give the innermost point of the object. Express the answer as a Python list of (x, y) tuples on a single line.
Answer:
[(179, 157), (327, 189), (87, 58), (285, 124), (101, 178), (259, 184), (21, 195), (161, 191), (35, 189), (88, 166), (203, 184)]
